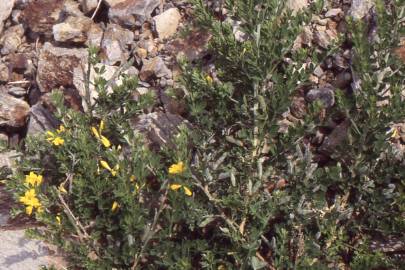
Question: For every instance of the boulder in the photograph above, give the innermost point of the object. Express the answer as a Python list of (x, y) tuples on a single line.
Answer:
[(11, 39), (41, 120), (56, 66), (115, 44), (40, 16), (5, 10), (128, 12), (13, 111), (78, 30), (166, 23)]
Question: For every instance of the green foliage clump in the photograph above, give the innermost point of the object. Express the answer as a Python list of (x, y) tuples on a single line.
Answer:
[(241, 194)]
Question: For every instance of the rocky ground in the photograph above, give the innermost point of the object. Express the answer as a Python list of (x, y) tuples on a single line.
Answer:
[(43, 47)]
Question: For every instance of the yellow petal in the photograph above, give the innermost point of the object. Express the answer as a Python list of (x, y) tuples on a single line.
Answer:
[(175, 186), (395, 133), (40, 210), (105, 141), (101, 126), (114, 206), (95, 132), (28, 210), (209, 79), (187, 191), (105, 165), (50, 134), (58, 220), (132, 178)]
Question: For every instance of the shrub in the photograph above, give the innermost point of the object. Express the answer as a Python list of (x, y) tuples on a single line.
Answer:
[(233, 191)]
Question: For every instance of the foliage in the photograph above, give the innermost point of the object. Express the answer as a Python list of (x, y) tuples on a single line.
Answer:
[(241, 194)]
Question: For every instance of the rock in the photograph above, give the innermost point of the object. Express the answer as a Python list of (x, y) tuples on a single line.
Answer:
[(5, 10), (166, 23), (17, 92), (8, 159), (305, 38), (324, 94), (342, 80), (41, 120), (115, 42), (141, 53), (4, 72), (298, 107), (19, 252), (40, 16), (324, 38), (71, 8), (56, 65), (318, 71), (333, 12), (127, 12), (360, 8), (158, 127), (335, 138), (296, 5), (193, 46), (154, 67), (13, 111), (400, 51), (88, 5), (77, 30), (11, 39)]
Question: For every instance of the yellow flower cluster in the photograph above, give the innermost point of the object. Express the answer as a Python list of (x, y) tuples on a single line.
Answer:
[(54, 138), (31, 201), (33, 179), (177, 168), (97, 133)]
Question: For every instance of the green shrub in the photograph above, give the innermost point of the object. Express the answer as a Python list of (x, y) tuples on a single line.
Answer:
[(241, 194)]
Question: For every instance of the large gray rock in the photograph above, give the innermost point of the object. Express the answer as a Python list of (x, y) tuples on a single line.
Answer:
[(158, 127), (56, 66), (13, 111), (360, 8), (17, 252), (41, 120), (128, 12), (5, 10), (166, 23), (115, 44)]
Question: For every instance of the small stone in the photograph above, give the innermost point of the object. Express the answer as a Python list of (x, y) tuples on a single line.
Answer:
[(296, 5), (13, 111), (17, 92), (193, 46), (88, 5), (11, 39), (154, 67), (166, 23), (333, 12), (115, 42), (4, 72), (360, 8), (5, 10), (56, 65), (77, 30), (298, 107), (324, 94), (141, 53), (128, 12), (318, 71)]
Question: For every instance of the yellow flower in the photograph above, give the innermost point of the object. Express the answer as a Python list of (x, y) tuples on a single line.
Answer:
[(58, 141), (62, 189), (114, 206), (58, 220), (177, 168), (60, 129), (105, 141), (132, 178), (97, 133), (33, 179), (187, 191), (395, 133), (175, 186), (106, 166), (31, 201), (221, 267), (209, 79)]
